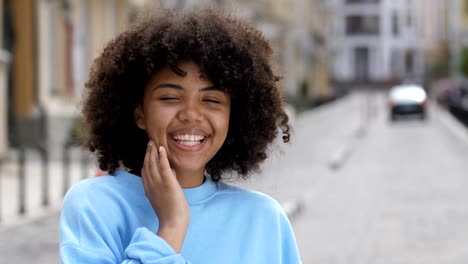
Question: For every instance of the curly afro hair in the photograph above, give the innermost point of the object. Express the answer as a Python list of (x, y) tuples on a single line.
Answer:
[(236, 58)]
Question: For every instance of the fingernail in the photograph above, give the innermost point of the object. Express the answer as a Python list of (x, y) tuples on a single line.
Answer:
[(150, 143), (161, 148)]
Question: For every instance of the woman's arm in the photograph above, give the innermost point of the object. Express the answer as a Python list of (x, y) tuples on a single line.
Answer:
[(92, 230)]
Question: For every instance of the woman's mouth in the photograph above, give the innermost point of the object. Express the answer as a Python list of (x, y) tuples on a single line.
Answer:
[(188, 140)]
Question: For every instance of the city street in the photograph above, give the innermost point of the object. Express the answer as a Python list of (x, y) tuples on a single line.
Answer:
[(362, 189)]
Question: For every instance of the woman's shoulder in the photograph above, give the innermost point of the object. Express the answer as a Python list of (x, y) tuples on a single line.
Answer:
[(103, 188), (250, 198), (89, 186)]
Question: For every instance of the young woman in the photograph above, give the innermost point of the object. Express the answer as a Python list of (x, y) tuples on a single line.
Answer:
[(173, 105)]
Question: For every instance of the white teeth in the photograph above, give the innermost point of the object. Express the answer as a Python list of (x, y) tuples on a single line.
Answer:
[(186, 137), (189, 143), (188, 140)]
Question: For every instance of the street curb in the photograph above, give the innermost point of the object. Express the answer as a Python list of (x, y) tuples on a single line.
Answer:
[(457, 129), (19, 221)]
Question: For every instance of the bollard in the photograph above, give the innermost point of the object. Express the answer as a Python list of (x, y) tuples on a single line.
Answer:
[(84, 163), (66, 167), (45, 175), (22, 181), (22, 177)]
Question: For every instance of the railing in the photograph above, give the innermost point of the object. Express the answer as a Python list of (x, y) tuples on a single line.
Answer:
[(31, 138), (31, 134)]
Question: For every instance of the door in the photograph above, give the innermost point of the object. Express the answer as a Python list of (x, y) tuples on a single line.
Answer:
[(361, 66)]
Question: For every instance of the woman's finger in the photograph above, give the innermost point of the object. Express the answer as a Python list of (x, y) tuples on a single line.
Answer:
[(145, 176), (146, 161), (153, 167), (164, 163)]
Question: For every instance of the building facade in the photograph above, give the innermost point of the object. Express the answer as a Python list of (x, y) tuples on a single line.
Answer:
[(70, 34), (49, 46), (379, 40)]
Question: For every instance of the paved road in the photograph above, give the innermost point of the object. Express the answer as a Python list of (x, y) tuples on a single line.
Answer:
[(400, 198)]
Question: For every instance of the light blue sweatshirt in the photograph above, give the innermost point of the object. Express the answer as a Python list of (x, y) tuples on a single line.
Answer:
[(109, 219)]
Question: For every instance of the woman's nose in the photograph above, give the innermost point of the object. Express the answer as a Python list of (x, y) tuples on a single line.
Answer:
[(191, 112)]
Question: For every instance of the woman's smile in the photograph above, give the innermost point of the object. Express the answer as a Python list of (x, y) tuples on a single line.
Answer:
[(192, 140)]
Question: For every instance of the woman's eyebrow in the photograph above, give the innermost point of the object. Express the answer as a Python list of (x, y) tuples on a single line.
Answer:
[(209, 88), (178, 87), (169, 85)]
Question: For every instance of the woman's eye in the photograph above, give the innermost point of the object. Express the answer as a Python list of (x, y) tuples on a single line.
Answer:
[(212, 100), (169, 98)]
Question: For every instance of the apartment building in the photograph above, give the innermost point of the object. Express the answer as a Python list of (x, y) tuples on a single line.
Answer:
[(379, 40)]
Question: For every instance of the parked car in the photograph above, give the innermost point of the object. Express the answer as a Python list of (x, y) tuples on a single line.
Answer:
[(407, 99), (443, 91), (452, 94)]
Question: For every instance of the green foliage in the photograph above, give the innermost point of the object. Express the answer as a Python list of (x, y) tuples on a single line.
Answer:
[(439, 67), (75, 130), (463, 66), (304, 88)]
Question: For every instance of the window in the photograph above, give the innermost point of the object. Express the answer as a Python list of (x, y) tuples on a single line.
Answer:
[(395, 25), (367, 25)]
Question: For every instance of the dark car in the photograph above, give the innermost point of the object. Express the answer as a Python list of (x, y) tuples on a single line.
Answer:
[(407, 99)]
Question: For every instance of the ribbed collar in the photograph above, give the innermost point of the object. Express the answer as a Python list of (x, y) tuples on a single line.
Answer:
[(201, 193), (193, 195)]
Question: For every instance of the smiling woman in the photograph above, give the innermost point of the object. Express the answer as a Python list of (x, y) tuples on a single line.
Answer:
[(173, 105), (186, 115)]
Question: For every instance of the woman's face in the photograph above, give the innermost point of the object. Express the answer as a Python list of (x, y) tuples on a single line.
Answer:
[(185, 114)]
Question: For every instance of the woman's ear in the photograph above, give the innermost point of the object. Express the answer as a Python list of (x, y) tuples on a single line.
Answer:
[(139, 118)]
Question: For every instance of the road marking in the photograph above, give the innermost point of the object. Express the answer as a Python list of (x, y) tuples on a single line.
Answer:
[(340, 156)]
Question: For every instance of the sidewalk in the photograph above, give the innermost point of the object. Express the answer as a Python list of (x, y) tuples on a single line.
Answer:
[(34, 242)]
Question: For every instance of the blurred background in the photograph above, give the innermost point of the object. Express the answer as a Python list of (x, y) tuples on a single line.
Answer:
[(376, 92)]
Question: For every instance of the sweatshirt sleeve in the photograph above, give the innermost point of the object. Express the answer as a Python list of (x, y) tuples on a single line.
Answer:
[(290, 252), (147, 247), (88, 234)]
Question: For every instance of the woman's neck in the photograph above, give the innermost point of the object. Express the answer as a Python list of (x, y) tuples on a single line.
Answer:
[(190, 179)]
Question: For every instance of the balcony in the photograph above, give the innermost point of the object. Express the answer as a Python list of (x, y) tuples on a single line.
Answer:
[(362, 25)]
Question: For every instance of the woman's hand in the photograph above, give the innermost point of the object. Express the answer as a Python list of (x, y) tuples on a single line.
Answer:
[(166, 196)]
